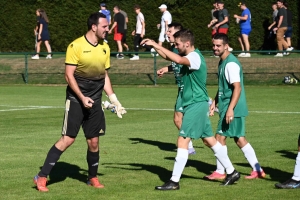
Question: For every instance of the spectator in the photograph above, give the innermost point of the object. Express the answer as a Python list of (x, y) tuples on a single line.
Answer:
[(103, 9), (125, 29), (139, 31), (272, 34), (222, 25), (118, 27), (42, 34), (245, 25), (166, 19), (281, 29), (288, 33), (214, 19)]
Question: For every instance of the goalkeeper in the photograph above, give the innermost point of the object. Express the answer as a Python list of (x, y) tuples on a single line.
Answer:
[(86, 65), (175, 68)]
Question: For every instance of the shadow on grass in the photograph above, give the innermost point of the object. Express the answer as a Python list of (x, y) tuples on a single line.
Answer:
[(165, 146), (163, 174), (288, 154), (63, 170), (203, 167), (275, 174)]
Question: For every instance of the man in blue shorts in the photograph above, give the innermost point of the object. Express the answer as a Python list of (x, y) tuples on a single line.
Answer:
[(195, 123), (87, 61), (245, 25), (231, 100), (175, 68)]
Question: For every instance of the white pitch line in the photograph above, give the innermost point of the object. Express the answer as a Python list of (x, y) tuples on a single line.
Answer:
[(18, 108)]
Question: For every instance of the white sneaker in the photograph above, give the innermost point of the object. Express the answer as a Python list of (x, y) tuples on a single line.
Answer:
[(247, 55), (279, 55), (286, 53), (242, 55), (48, 57), (153, 52), (135, 57), (230, 49), (35, 57), (290, 49)]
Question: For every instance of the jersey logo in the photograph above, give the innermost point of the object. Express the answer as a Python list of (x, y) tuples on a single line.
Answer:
[(87, 51), (104, 51)]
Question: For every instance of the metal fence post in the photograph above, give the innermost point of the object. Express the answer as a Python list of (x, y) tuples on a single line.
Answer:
[(155, 75), (26, 68)]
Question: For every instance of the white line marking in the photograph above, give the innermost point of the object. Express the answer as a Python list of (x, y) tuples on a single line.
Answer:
[(17, 108)]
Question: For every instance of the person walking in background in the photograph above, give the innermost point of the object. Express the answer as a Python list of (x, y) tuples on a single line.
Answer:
[(103, 9), (166, 19), (294, 182), (195, 123), (125, 30), (245, 25), (87, 62), (176, 69), (231, 98), (289, 31), (281, 29), (214, 19), (272, 34), (118, 27), (222, 25), (42, 34), (139, 31)]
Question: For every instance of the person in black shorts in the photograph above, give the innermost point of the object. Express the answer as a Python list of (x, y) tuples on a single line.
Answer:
[(87, 61), (42, 34)]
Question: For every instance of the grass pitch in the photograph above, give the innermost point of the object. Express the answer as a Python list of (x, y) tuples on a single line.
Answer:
[(138, 151)]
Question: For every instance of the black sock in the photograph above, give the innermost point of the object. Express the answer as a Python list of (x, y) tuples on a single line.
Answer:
[(92, 159), (52, 157)]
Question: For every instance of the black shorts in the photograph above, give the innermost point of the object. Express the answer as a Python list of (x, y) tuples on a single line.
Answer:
[(76, 115), (124, 36)]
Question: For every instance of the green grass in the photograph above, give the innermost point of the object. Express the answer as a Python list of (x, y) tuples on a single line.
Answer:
[(138, 151)]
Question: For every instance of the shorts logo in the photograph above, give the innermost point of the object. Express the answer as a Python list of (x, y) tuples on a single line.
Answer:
[(182, 132), (101, 131)]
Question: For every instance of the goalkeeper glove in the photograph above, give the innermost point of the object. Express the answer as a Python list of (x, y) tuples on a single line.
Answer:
[(119, 109)]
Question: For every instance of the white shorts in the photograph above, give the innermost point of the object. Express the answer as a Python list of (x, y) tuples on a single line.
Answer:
[(162, 36)]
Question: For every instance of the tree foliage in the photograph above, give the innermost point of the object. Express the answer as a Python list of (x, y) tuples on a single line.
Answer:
[(68, 21)]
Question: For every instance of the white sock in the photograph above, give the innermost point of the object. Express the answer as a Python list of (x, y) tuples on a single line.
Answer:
[(180, 161), (249, 153), (296, 176), (220, 169), (191, 145), (223, 157)]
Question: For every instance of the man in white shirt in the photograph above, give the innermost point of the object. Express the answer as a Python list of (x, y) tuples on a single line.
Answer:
[(139, 31), (166, 19)]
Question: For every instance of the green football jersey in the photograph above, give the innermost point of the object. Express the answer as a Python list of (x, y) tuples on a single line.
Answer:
[(193, 83), (226, 90), (176, 68)]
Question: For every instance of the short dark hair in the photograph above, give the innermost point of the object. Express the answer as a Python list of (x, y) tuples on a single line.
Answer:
[(137, 7), (185, 35), (94, 19), (286, 4), (117, 7), (281, 1), (221, 36), (176, 26)]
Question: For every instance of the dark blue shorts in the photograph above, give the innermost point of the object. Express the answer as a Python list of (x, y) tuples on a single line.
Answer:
[(288, 32)]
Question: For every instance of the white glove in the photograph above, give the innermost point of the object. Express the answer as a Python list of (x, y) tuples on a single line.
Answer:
[(118, 106)]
